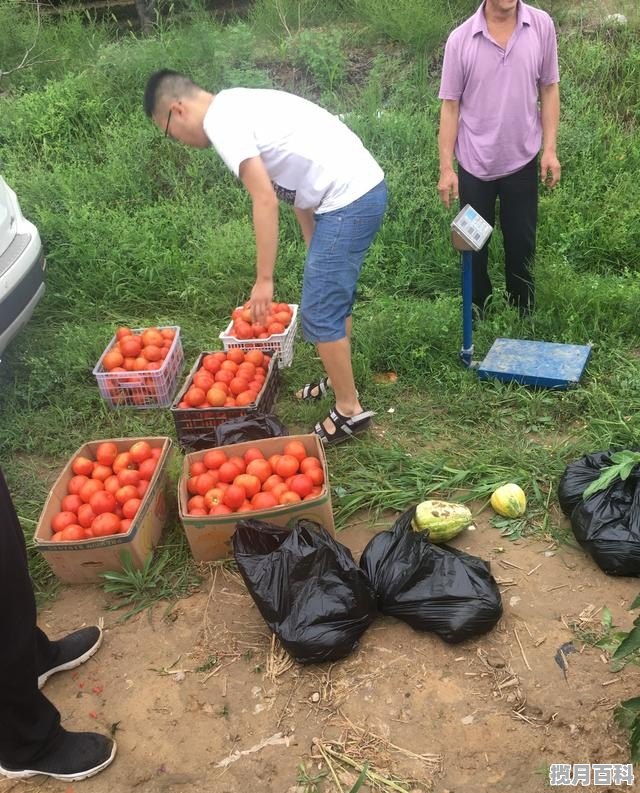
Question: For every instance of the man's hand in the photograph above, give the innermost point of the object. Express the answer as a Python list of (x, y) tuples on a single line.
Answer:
[(549, 169), (448, 186), (261, 299)]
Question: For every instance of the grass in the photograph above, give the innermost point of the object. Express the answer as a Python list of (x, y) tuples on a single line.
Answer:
[(141, 231)]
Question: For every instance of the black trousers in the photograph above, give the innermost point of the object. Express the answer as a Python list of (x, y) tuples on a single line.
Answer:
[(518, 194), (29, 723)]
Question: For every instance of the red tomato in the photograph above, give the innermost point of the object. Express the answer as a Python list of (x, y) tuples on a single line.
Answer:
[(309, 462), (147, 468), (289, 497), (195, 502), (101, 472), (73, 533), (76, 483), (316, 475), (140, 451), (214, 458), (102, 501), (86, 516), (271, 481), (287, 465), (228, 472), (105, 524), (250, 483), (195, 469), (143, 486), (296, 449), (126, 493), (122, 461), (213, 497), (301, 484), (234, 496), (264, 501), (71, 503), (220, 509), (130, 507), (260, 468), (204, 482), (106, 453), (128, 476), (89, 488), (111, 484), (62, 520), (82, 466)]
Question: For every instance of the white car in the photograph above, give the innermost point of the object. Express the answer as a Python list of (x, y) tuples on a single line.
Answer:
[(21, 266)]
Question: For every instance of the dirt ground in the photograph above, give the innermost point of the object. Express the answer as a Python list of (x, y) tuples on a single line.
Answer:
[(487, 715)]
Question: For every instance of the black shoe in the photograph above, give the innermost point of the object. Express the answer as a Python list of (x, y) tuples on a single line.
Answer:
[(74, 756), (73, 650)]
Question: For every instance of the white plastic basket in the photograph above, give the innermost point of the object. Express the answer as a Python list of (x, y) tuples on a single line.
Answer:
[(153, 388), (282, 343)]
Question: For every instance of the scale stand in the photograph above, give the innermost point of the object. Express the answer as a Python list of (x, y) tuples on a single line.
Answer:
[(533, 363)]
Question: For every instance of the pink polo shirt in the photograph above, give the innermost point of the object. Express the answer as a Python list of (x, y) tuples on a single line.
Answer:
[(499, 129)]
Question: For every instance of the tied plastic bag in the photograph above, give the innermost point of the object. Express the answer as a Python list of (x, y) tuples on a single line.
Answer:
[(252, 427), (607, 524), (431, 587), (307, 587)]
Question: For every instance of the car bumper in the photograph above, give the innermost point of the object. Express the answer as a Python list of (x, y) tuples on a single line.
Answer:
[(18, 304)]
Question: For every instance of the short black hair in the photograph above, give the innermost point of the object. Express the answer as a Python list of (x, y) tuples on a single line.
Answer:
[(166, 84)]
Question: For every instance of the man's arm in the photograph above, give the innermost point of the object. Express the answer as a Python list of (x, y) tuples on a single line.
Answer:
[(255, 178), (550, 116), (306, 222), (447, 134)]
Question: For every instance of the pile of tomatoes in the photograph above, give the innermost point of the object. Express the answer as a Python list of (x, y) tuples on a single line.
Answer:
[(277, 321), (104, 495), (139, 352), (227, 379), (219, 484)]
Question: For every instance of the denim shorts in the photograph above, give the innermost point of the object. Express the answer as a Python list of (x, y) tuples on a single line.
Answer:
[(339, 244)]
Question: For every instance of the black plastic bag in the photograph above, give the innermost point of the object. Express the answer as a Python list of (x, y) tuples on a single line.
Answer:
[(252, 427), (578, 476), (607, 524), (431, 587), (307, 587)]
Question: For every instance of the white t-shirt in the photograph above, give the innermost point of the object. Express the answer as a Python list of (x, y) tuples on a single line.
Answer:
[(313, 159)]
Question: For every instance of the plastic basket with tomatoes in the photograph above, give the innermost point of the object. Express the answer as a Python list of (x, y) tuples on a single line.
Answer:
[(140, 367), (277, 336), (223, 385)]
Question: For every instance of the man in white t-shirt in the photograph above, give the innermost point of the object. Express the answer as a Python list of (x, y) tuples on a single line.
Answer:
[(283, 147)]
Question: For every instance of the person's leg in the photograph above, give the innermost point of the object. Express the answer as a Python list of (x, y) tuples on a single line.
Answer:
[(518, 219), (481, 196), (338, 247), (31, 738)]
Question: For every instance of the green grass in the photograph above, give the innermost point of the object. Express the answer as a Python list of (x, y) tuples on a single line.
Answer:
[(141, 231)]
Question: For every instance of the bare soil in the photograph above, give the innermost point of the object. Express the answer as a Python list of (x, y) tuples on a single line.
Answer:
[(487, 715)]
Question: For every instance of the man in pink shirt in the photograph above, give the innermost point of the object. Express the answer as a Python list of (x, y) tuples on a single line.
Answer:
[(497, 66)]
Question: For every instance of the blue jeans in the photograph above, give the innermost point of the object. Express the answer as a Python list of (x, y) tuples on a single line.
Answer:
[(339, 244)]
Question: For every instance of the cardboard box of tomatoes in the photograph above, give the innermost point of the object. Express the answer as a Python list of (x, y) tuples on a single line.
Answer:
[(111, 517), (278, 480), (224, 385)]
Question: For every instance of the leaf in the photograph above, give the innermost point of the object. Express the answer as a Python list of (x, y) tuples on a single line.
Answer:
[(634, 741), (635, 604), (607, 618), (360, 780), (607, 476), (625, 456), (629, 645), (626, 469)]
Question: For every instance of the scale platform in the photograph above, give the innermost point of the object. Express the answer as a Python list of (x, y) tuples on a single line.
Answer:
[(535, 363)]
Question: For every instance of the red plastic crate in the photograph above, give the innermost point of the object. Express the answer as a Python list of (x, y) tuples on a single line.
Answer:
[(191, 421), (282, 343), (152, 388)]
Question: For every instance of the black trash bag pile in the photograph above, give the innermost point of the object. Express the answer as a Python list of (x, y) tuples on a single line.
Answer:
[(431, 587), (252, 427), (607, 524), (307, 587)]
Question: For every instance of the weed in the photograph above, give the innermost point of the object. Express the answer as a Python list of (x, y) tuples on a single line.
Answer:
[(310, 783)]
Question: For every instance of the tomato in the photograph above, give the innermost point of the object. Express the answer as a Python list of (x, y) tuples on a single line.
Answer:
[(195, 502), (111, 484), (238, 385), (125, 493), (122, 461), (220, 509), (89, 488), (245, 507), (73, 533), (152, 336), (123, 331), (309, 462), (316, 475), (156, 452), (287, 465), (213, 497), (256, 357), (62, 520), (273, 460), (234, 495), (130, 347), (245, 398), (102, 501), (195, 397), (223, 376), (214, 458), (296, 449), (239, 463), (153, 353), (106, 453), (101, 472), (289, 497), (228, 472), (76, 483), (203, 380), (86, 516), (125, 525), (195, 469), (105, 524), (205, 482), (198, 511), (250, 483), (143, 486), (264, 501), (216, 397), (211, 363), (260, 468), (71, 503), (301, 484), (130, 507), (82, 466), (112, 359), (57, 537), (140, 451), (128, 476), (236, 355), (147, 468)]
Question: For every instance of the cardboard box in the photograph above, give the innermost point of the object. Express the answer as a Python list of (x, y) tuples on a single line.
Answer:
[(209, 536), (83, 561)]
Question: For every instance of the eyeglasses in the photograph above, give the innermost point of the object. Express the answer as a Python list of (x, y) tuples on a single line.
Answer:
[(166, 129)]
